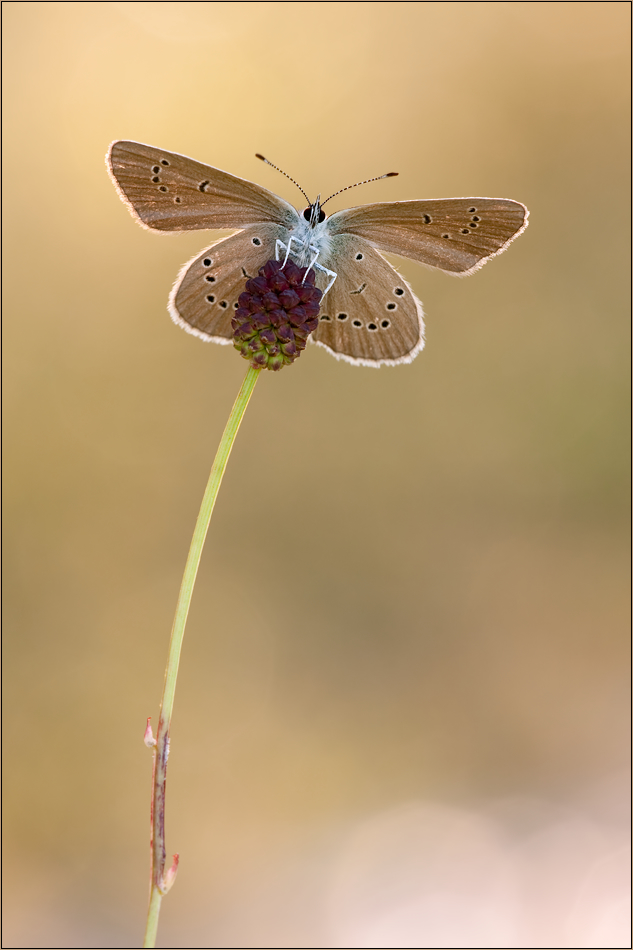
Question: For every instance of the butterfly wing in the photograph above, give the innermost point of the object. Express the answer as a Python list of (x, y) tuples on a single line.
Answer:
[(204, 297), (169, 192), (370, 316), (457, 235)]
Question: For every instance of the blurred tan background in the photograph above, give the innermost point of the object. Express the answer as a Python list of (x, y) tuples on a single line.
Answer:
[(402, 711)]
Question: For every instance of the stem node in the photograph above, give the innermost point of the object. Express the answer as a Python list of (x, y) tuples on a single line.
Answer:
[(148, 737), (170, 877)]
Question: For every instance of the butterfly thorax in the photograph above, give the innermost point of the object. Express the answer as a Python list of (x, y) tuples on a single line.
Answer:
[(310, 234)]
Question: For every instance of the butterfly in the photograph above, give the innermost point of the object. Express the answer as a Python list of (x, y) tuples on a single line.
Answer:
[(369, 314)]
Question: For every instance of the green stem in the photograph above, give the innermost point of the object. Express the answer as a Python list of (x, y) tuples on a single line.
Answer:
[(161, 882)]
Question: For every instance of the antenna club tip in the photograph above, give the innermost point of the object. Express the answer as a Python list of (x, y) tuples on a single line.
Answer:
[(392, 174), (261, 157)]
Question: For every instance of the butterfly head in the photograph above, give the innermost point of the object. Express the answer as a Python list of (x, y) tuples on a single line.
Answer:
[(314, 214)]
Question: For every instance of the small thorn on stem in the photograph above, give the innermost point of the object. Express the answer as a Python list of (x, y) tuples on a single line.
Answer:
[(148, 738), (170, 877)]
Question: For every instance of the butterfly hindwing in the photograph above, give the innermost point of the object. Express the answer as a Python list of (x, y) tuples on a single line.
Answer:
[(456, 235), (170, 192), (370, 315), (204, 297)]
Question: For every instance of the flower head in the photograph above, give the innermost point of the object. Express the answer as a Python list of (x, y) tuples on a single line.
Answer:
[(277, 312)]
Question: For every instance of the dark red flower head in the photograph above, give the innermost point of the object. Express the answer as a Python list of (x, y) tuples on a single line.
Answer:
[(277, 312)]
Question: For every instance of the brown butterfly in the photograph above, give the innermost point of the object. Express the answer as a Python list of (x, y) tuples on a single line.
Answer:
[(369, 314)]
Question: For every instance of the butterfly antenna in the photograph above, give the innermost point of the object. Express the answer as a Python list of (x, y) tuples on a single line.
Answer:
[(261, 157), (366, 182)]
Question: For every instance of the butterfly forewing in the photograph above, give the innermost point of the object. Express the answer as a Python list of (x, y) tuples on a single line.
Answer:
[(170, 192), (370, 315), (204, 297), (457, 235)]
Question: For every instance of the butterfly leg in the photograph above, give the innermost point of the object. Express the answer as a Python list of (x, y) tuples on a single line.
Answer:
[(331, 274), (313, 263), (316, 253), (280, 244)]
